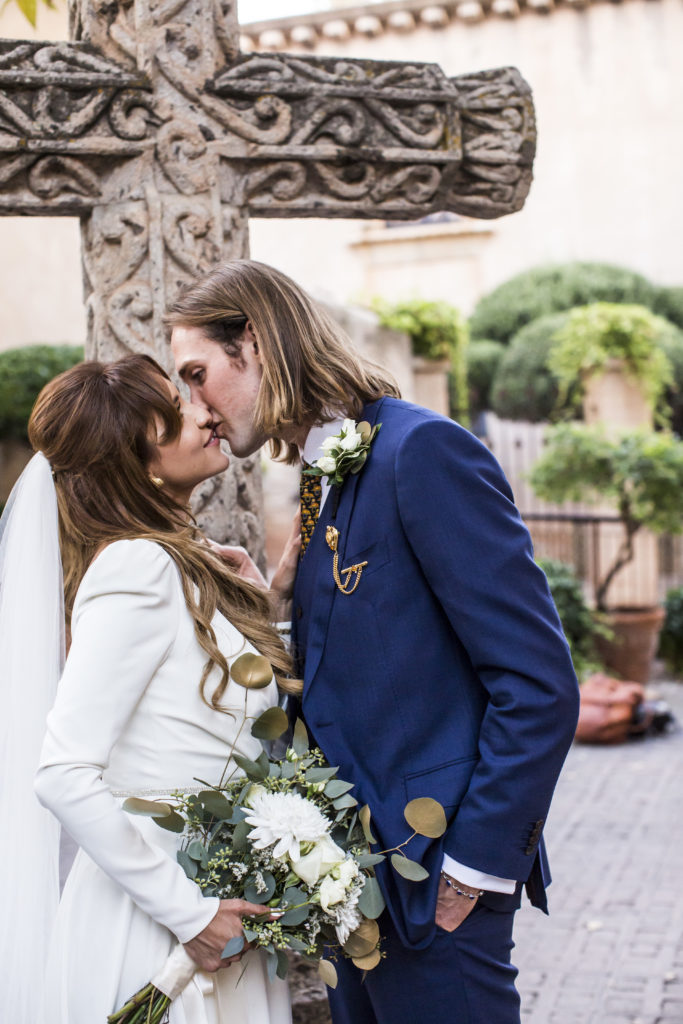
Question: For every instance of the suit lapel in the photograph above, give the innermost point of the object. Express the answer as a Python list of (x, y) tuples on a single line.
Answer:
[(318, 585)]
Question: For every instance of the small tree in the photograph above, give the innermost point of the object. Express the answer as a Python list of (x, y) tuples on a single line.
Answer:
[(641, 472)]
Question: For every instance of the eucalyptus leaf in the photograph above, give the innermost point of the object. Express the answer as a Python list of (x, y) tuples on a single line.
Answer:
[(252, 671), (328, 973), (171, 822), (238, 815), (365, 817), (274, 770), (249, 934), (426, 817), (271, 724), (252, 769), (364, 940), (337, 787), (146, 808), (240, 833), (320, 774), (289, 769), (252, 894), (368, 860), (234, 946), (271, 964), (296, 944), (344, 801), (292, 896), (371, 902), (188, 865), (282, 964), (409, 869), (367, 963), (300, 742), (216, 804), (196, 850), (297, 915)]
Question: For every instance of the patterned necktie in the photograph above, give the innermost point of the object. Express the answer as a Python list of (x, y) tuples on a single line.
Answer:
[(310, 492)]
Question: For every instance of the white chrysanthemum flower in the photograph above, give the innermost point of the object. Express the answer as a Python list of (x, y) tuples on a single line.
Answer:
[(347, 917), (286, 820)]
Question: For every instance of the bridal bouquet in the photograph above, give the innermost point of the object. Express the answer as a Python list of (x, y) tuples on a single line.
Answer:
[(289, 835)]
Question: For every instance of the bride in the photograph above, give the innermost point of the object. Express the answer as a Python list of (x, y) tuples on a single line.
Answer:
[(145, 704)]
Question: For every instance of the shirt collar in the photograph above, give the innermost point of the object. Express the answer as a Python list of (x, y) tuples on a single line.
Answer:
[(312, 449)]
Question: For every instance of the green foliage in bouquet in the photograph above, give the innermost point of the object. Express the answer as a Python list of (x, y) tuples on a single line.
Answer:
[(437, 330), (641, 472), (289, 835), (552, 289), (671, 636), (24, 372)]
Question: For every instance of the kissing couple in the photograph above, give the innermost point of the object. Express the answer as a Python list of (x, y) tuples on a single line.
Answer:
[(426, 656)]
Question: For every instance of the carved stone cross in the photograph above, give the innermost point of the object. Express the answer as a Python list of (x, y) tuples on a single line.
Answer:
[(163, 138)]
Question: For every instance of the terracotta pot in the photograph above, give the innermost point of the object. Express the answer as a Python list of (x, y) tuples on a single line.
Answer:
[(632, 649)]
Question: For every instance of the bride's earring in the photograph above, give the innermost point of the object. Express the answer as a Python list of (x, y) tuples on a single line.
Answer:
[(156, 480)]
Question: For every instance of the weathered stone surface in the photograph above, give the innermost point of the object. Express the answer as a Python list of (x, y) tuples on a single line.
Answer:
[(163, 138)]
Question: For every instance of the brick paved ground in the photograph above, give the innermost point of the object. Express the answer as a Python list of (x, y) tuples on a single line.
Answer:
[(611, 951)]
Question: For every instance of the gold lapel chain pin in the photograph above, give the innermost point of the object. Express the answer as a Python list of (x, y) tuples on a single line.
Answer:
[(352, 574)]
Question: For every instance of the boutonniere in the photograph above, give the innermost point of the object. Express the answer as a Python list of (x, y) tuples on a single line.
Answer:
[(344, 452)]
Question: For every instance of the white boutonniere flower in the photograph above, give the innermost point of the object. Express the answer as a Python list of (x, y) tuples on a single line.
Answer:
[(345, 452)]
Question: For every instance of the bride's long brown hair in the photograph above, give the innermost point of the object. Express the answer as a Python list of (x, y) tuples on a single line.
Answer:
[(97, 425)]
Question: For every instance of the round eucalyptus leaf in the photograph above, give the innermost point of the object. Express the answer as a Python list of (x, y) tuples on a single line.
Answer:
[(147, 808), (234, 946), (295, 916), (271, 724), (364, 429), (171, 822), (196, 850), (240, 843), (371, 902), (363, 940), (252, 671), (282, 964), (252, 894), (216, 804), (328, 973), (426, 817), (252, 769), (337, 787), (365, 817), (367, 963), (409, 869)]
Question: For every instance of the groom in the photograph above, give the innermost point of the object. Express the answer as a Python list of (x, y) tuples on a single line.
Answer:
[(433, 659)]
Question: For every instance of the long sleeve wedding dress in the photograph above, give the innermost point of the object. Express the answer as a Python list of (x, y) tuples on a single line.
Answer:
[(129, 719)]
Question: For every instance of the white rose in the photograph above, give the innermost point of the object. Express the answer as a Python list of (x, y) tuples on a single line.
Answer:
[(348, 427), (351, 441), (346, 872), (332, 890), (327, 464), (253, 792), (324, 856), (329, 443)]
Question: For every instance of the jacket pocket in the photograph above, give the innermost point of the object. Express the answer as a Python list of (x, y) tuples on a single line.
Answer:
[(446, 783), (376, 555)]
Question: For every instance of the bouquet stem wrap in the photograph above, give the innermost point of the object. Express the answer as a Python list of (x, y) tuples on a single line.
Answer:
[(176, 974)]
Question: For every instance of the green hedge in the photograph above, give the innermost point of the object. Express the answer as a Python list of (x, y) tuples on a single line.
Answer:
[(669, 304), (23, 374), (523, 387), (550, 289), (671, 637), (482, 359)]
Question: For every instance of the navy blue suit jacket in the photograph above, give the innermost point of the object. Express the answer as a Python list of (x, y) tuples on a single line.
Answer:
[(446, 673)]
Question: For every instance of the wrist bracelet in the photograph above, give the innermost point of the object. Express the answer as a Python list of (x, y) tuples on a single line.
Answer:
[(473, 894)]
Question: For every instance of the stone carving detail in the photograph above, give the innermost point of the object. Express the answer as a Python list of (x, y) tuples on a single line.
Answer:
[(155, 130)]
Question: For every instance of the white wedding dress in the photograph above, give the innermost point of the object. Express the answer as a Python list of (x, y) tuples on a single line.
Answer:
[(129, 719)]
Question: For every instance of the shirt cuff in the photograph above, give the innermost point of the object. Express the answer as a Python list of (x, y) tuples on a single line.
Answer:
[(477, 879)]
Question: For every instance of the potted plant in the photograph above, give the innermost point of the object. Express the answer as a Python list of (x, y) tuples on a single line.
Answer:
[(641, 473)]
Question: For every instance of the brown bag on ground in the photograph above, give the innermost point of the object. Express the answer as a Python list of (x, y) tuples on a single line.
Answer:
[(608, 709)]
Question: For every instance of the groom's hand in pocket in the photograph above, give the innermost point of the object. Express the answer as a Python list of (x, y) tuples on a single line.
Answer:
[(452, 908)]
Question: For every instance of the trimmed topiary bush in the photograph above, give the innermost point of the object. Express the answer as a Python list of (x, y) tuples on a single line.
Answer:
[(549, 289), (23, 374), (523, 387), (482, 359), (669, 304), (671, 637)]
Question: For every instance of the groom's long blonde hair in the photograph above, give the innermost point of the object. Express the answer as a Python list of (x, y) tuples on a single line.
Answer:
[(311, 370)]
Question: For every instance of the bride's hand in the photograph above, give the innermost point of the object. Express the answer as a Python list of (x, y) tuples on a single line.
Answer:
[(238, 559), (206, 948), (282, 583)]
